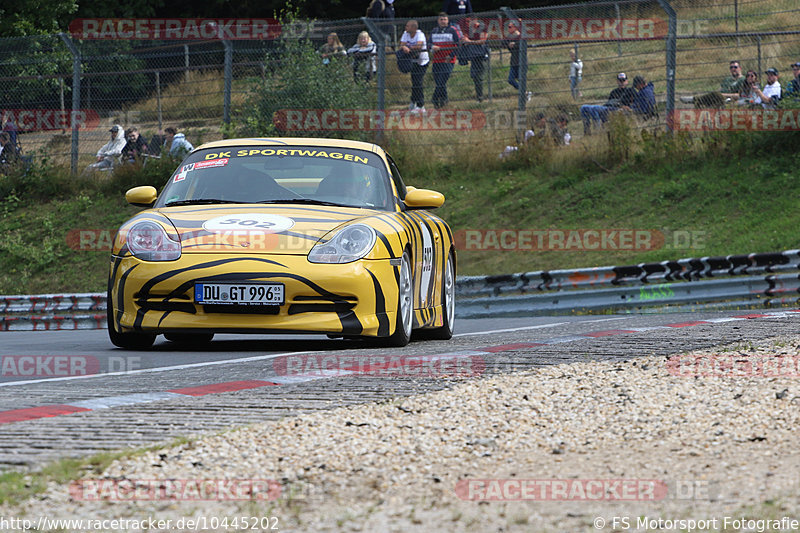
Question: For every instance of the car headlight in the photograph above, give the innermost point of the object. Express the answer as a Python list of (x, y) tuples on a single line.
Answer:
[(149, 242), (348, 245)]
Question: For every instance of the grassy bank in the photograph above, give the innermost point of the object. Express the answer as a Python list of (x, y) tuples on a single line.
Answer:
[(717, 196)]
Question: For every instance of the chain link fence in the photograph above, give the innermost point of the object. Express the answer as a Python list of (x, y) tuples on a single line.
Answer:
[(281, 85)]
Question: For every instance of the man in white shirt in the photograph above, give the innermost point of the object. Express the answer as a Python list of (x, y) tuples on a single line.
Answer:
[(772, 90), (413, 42)]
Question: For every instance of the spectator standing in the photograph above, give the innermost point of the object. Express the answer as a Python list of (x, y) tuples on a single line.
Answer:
[(332, 48), (383, 9), (618, 98), (475, 51), (445, 39), (457, 7), (793, 89), (415, 49), (771, 94), (178, 145), (9, 127), (512, 44), (575, 74), (363, 54), (135, 148), (107, 155)]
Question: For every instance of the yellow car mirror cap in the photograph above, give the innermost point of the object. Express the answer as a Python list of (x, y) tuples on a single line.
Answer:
[(423, 199), (144, 196)]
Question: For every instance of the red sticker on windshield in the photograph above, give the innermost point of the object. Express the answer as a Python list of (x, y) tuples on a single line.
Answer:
[(211, 164)]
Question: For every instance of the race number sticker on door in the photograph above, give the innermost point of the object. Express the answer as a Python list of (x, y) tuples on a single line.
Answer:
[(252, 222), (427, 264)]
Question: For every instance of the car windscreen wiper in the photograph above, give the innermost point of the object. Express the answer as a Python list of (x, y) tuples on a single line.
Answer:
[(307, 201), (200, 201)]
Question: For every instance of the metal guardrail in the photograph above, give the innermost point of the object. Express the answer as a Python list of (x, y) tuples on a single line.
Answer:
[(740, 281)]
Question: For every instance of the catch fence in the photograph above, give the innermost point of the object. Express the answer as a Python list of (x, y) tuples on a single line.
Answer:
[(63, 93)]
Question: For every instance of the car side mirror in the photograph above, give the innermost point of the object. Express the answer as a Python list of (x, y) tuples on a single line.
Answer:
[(423, 199), (144, 196)]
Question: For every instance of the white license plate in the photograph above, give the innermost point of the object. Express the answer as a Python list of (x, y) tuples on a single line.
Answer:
[(239, 293)]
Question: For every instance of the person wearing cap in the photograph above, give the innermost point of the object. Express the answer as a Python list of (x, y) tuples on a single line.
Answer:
[(793, 89), (622, 96), (772, 90), (109, 153)]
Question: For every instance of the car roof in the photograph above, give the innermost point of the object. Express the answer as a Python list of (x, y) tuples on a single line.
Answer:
[(293, 141)]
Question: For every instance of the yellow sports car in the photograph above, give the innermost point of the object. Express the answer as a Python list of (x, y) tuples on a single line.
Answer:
[(285, 235)]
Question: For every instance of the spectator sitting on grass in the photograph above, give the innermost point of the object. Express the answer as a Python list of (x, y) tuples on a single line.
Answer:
[(135, 147), (178, 145), (771, 94), (731, 87), (107, 155), (793, 89), (644, 103), (621, 97)]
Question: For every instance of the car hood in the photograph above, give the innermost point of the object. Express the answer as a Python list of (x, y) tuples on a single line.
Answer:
[(253, 228)]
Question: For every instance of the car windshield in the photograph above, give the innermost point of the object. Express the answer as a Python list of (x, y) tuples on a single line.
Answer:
[(276, 174)]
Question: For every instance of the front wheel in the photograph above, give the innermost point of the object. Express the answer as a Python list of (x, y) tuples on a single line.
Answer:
[(405, 307), (134, 340)]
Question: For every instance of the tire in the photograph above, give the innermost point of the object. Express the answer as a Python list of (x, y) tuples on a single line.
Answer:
[(129, 341), (445, 331), (405, 307), (193, 339)]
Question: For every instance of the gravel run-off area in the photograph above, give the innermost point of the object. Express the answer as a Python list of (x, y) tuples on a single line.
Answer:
[(595, 443)]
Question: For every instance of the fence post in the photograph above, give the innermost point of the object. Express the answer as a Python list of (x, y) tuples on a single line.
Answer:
[(61, 98), (76, 100), (381, 76), (158, 98), (758, 45), (619, 23), (671, 53), (226, 106), (186, 62)]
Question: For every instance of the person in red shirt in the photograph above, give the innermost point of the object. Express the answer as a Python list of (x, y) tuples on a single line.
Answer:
[(444, 44)]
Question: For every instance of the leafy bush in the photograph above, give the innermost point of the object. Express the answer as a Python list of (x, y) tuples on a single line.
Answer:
[(301, 81)]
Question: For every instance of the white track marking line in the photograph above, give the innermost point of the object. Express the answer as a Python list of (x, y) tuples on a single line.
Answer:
[(540, 326), (156, 369)]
